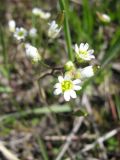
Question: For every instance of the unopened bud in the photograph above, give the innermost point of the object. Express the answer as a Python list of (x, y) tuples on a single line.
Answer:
[(69, 66)]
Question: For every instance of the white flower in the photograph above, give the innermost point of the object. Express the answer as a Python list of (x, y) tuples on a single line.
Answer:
[(20, 33), (53, 30), (33, 32), (67, 87), (83, 53), (87, 72), (32, 52), (11, 25), (39, 12)]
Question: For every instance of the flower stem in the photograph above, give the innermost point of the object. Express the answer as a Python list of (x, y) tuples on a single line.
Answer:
[(66, 29)]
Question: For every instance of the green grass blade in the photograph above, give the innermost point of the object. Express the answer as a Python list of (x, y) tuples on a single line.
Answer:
[(3, 44), (42, 148), (64, 8), (87, 17), (112, 52), (37, 111), (117, 102)]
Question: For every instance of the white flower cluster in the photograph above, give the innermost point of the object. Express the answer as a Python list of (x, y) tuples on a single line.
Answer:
[(31, 51), (73, 79), (21, 33)]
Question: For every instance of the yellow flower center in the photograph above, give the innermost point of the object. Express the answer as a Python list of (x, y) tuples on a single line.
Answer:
[(66, 85), (83, 52), (21, 33)]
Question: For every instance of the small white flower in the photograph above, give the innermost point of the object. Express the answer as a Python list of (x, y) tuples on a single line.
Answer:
[(83, 52), (20, 33), (39, 12), (53, 30), (32, 52), (87, 72), (67, 87), (12, 25), (33, 32)]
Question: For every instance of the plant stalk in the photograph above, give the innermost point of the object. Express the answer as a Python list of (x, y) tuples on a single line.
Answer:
[(67, 29)]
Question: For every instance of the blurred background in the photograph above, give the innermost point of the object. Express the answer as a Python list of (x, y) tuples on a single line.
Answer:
[(35, 124)]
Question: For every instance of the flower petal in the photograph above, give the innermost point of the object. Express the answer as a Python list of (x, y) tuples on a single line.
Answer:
[(91, 56), (91, 51), (76, 48), (57, 91), (57, 85), (87, 72), (86, 46), (77, 81), (67, 95), (81, 46), (60, 79), (67, 77), (76, 87), (73, 94)]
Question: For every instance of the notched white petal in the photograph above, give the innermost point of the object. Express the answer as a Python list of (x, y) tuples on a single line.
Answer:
[(67, 77), (77, 81), (81, 46), (60, 79), (76, 48), (77, 88), (67, 96), (57, 85), (91, 51), (57, 91), (86, 46), (73, 94)]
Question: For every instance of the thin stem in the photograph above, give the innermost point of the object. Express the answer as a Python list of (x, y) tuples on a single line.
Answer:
[(3, 44), (67, 29)]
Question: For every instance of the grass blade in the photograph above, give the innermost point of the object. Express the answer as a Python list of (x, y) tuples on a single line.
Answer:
[(42, 149), (37, 111), (64, 8)]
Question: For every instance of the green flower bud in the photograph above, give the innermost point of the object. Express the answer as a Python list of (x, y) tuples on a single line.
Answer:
[(69, 66), (103, 17)]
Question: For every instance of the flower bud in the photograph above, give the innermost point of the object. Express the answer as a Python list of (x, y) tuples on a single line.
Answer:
[(12, 25), (33, 32), (103, 17), (69, 66), (32, 53)]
